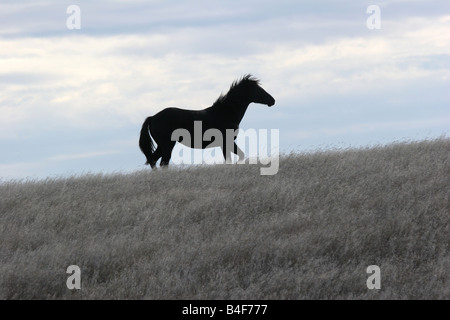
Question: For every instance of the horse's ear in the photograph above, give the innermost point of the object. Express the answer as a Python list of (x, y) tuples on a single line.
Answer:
[(250, 77)]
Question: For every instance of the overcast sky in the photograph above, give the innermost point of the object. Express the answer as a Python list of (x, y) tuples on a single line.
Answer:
[(73, 100)]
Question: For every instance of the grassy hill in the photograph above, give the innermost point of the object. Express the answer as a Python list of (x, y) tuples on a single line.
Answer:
[(226, 232)]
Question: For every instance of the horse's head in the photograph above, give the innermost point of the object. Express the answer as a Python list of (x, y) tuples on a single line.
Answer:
[(245, 91), (261, 96), (258, 94)]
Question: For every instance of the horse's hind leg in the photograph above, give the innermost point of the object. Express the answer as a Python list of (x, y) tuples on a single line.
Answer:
[(155, 157), (167, 153)]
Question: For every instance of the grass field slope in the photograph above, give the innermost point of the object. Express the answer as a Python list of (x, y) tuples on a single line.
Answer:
[(226, 232)]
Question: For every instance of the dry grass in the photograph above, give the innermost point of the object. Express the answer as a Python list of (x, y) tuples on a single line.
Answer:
[(225, 232)]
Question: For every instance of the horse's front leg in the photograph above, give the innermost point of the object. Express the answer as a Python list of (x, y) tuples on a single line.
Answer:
[(226, 155), (240, 153), (235, 149)]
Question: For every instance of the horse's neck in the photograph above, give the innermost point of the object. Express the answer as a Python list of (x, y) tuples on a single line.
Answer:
[(238, 111), (229, 112)]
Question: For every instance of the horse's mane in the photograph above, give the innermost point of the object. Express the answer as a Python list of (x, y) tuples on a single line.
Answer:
[(236, 89)]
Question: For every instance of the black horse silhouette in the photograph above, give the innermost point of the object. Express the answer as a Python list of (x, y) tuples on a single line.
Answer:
[(223, 116)]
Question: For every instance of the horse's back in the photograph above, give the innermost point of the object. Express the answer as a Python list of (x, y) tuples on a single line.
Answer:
[(182, 117), (172, 118)]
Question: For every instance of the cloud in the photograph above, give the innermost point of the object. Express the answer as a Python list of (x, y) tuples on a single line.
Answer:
[(131, 59), (18, 170), (364, 128), (83, 79), (84, 155)]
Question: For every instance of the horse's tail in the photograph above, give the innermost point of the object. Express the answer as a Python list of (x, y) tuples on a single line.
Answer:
[(145, 141)]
